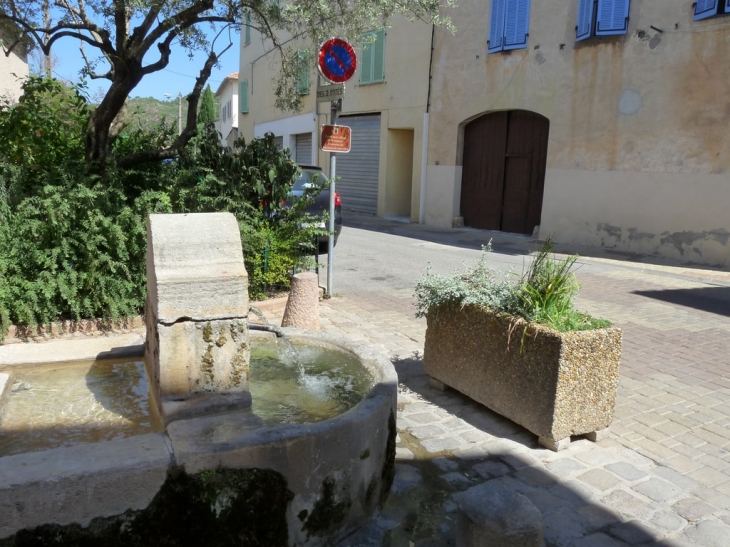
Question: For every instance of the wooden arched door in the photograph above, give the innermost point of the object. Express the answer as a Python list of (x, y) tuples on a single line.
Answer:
[(503, 175)]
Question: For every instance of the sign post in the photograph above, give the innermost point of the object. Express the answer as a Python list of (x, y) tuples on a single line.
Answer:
[(337, 63)]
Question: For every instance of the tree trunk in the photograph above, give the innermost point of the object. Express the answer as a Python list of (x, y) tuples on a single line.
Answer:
[(98, 135)]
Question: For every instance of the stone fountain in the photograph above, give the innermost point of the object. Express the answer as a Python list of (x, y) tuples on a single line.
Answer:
[(215, 475)]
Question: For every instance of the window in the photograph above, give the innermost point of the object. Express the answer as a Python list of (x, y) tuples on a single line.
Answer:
[(602, 18), (710, 8), (303, 72), (508, 25), (372, 66), (243, 96), (247, 35)]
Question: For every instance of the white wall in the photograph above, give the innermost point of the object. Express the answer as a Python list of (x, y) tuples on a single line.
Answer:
[(288, 128)]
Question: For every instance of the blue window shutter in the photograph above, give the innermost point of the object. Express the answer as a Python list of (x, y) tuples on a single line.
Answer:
[(366, 65), (516, 24), (727, 6), (379, 56), (243, 96), (247, 38), (585, 20), (705, 9), (496, 26), (613, 17)]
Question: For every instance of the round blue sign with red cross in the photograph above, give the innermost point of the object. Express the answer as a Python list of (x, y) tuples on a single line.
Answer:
[(337, 61)]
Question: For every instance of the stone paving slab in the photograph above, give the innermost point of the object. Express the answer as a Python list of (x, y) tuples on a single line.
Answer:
[(662, 477)]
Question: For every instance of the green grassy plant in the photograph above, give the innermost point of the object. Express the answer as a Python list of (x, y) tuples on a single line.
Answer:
[(544, 294)]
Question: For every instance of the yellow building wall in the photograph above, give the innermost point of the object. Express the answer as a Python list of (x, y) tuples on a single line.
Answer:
[(401, 100), (637, 157)]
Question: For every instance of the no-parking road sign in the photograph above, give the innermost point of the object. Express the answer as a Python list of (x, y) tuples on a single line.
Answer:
[(337, 61)]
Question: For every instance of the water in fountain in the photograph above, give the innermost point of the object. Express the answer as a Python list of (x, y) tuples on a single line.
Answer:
[(93, 401)]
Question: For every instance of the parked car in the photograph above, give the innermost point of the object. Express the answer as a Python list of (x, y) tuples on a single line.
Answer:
[(314, 176)]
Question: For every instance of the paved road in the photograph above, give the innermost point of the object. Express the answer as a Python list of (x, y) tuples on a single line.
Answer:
[(663, 475)]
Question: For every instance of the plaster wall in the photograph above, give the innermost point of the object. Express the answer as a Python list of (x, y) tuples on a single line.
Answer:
[(632, 117), (401, 99), (12, 70), (289, 128), (229, 92)]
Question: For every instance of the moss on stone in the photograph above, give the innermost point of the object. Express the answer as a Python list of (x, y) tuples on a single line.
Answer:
[(327, 511), (219, 508), (388, 473)]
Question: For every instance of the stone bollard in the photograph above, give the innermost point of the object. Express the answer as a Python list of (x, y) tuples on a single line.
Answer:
[(302, 306), (493, 515)]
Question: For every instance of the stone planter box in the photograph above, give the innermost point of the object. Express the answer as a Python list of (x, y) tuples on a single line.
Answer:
[(554, 384)]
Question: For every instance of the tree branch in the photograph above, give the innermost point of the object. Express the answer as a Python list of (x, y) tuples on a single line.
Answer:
[(191, 124)]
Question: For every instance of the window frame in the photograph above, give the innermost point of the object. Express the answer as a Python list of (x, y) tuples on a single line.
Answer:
[(371, 48), (507, 20), (243, 96), (597, 10), (720, 9), (303, 72)]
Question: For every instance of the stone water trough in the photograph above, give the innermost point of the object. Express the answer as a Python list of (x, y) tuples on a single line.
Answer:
[(213, 475)]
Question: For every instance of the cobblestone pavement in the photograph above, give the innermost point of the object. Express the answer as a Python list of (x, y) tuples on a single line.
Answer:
[(662, 477)]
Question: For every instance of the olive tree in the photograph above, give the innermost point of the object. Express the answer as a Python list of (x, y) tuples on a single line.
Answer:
[(123, 41)]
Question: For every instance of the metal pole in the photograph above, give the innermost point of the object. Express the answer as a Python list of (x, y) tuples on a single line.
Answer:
[(331, 241), (179, 113)]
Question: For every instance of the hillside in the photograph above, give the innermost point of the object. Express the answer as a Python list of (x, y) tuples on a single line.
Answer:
[(148, 112)]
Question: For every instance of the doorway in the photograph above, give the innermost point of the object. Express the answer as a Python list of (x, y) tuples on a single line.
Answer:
[(503, 177)]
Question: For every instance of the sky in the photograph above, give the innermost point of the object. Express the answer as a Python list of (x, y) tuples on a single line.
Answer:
[(178, 77)]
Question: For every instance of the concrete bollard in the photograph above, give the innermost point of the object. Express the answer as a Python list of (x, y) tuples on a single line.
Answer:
[(493, 515), (302, 306)]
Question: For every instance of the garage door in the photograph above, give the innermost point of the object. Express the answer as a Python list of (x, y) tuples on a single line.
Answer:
[(357, 170), (303, 152)]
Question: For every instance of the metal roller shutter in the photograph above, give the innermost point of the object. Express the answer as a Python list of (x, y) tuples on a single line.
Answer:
[(279, 142), (358, 170), (303, 152)]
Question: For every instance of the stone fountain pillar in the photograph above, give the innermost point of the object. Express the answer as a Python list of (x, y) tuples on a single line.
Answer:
[(197, 350)]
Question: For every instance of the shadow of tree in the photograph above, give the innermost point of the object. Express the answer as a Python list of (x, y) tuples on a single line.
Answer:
[(423, 511)]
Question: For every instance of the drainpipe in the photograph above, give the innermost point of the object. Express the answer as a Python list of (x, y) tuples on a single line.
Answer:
[(424, 147)]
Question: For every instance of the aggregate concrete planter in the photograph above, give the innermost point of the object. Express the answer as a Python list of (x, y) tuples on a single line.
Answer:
[(554, 384)]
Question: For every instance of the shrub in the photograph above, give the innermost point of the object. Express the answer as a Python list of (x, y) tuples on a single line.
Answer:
[(544, 294), (72, 243)]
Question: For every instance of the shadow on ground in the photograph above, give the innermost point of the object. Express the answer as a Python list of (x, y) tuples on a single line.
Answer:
[(422, 508), (502, 242), (709, 299)]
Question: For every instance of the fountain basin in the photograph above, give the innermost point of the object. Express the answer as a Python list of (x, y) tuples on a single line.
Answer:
[(297, 484)]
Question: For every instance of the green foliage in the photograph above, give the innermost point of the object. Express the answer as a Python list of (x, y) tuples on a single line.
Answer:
[(544, 294), (206, 113), (479, 285), (72, 243), (58, 140), (148, 113)]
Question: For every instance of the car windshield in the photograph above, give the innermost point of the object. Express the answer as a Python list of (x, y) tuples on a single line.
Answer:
[(309, 177)]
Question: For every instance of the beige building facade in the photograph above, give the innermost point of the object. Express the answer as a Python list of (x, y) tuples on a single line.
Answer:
[(635, 154), (385, 107), (596, 122)]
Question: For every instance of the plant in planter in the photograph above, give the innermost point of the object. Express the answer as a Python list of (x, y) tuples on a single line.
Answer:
[(520, 348)]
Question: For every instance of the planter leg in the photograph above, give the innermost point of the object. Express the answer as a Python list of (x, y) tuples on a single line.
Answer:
[(437, 384), (552, 444), (599, 435)]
